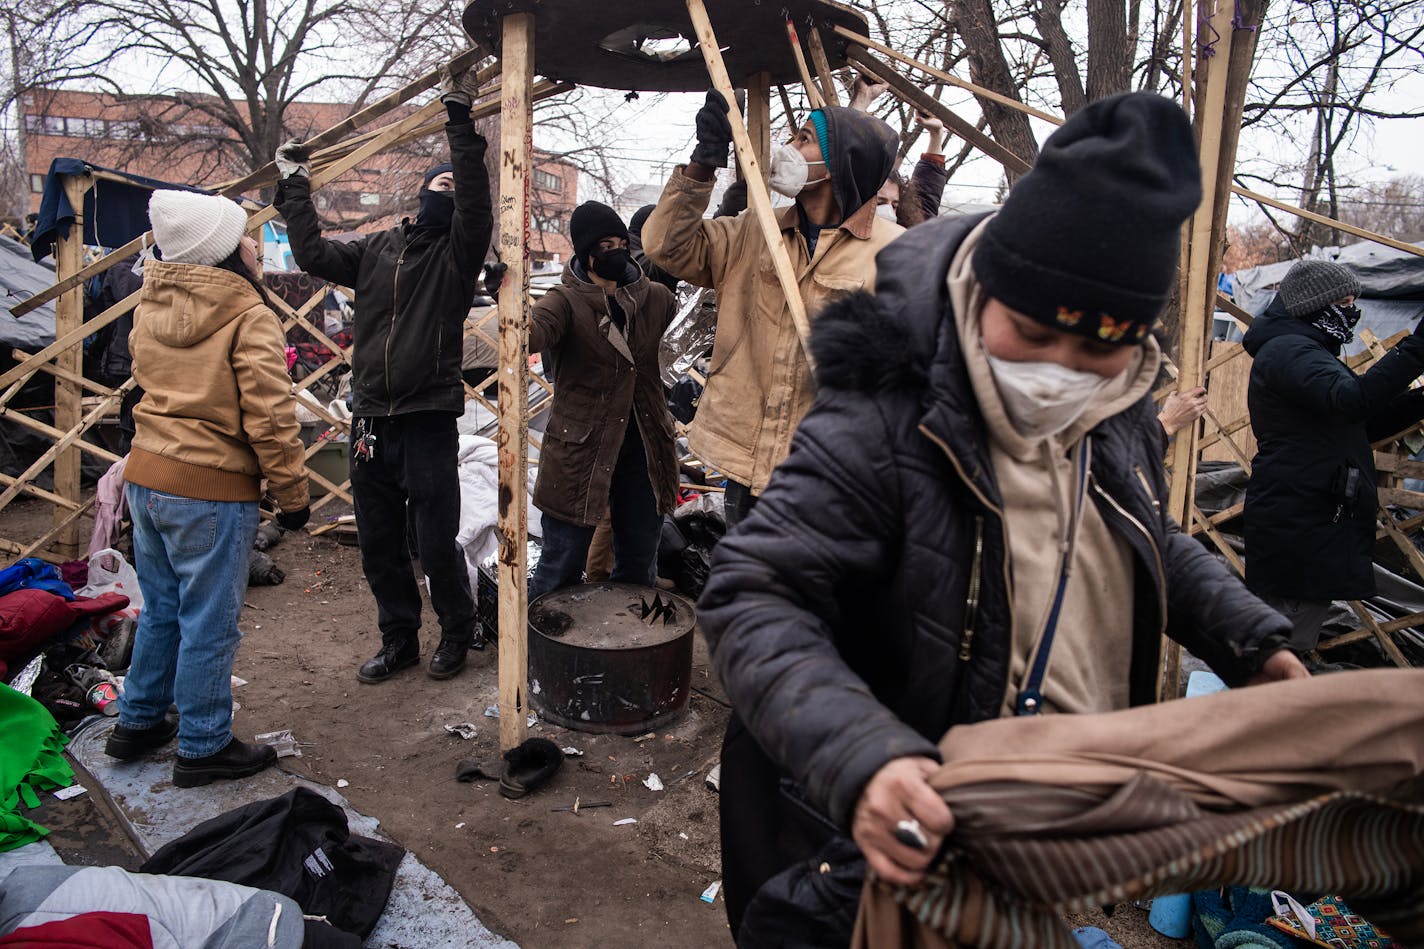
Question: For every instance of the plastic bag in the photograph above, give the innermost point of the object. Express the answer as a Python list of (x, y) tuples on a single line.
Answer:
[(109, 572)]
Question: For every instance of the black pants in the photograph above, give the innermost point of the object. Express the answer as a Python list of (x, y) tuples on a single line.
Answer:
[(412, 477), (738, 503), (637, 527)]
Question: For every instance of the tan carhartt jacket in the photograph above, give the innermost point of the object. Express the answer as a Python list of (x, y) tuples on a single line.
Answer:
[(759, 383), (217, 415)]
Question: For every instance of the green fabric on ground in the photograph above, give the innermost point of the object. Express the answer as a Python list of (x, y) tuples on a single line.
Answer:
[(31, 760)]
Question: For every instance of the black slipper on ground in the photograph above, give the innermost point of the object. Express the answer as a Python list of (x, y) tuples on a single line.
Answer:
[(529, 767)]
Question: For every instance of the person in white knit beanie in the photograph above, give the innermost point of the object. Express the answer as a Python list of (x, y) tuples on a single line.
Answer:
[(192, 228)]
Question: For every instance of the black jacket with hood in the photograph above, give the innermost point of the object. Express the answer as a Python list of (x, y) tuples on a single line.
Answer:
[(1311, 501), (413, 287), (864, 607)]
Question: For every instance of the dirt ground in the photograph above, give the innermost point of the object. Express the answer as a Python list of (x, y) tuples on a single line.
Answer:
[(538, 875)]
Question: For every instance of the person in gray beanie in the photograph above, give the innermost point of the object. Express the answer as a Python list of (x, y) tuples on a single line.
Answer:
[(1311, 501)]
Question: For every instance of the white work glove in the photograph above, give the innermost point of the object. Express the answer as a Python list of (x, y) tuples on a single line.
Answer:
[(461, 88), (293, 159)]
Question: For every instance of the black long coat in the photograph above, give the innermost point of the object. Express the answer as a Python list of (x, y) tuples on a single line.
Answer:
[(1314, 420), (864, 606)]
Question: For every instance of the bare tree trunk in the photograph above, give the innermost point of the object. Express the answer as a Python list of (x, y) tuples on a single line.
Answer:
[(1315, 165), (1048, 17), (1109, 54), (989, 68)]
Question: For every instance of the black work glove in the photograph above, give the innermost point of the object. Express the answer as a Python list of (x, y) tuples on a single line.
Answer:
[(494, 277), (294, 520), (714, 132)]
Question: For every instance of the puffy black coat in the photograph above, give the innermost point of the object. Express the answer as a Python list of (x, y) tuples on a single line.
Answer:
[(413, 287), (1314, 420), (842, 614)]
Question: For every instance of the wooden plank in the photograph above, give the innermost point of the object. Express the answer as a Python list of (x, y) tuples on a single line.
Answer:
[(927, 103), (1398, 465), (787, 107), (83, 274), (16, 376), (1399, 496), (35, 490), (823, 66), (19, 417), (757, 195), (1351, 229), (68, 408), (1386, 643), (88, 385), (70, 437), (759, 115), (813, 91), (515, 169), (71, 520), (1232, 557)]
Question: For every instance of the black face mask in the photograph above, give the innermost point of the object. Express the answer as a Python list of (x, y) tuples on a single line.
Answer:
[(612, 264), (1338, 321), (437, 209)]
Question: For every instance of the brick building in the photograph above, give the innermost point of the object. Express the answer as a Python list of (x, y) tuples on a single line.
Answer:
[(160, 137)]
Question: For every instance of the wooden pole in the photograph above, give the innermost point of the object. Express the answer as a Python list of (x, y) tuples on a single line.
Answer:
[(757, 195), (823, 66), (515, 168), (813, 91), (759, 115), (1199, 301), (790, 111), (927, 103), (68, 397)]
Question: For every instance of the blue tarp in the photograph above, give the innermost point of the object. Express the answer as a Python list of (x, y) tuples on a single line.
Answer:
[(115, 212)]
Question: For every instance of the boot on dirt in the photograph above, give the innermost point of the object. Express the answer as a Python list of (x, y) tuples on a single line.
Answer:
[(449, 657), (393, 657), (127, 743)]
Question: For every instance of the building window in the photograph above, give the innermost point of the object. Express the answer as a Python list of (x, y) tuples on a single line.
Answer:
[(550, 224), (54, 125), (34, 124), (369, 200), (37, 183), (547, 181)]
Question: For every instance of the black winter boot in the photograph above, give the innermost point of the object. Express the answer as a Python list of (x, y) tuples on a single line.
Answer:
[(449, 658), (393, 657), (127, 743), (237, 760)]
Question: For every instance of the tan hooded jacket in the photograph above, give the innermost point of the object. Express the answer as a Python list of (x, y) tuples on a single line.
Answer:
[(217, 415), (759, 382)]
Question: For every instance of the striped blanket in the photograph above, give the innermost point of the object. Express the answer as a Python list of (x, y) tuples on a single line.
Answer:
[(1307, 786)]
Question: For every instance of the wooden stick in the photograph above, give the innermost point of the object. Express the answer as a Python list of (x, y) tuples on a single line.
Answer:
[(925, 102), (790, 112), (757, 195), (70, 437), (813, 92), (49, 431), (375, 110), (823, 66), (868, 43), (1386, 643), (759, 115), (1359, 232), (21, 373), (84, 273), (71, 519), (68, 316), (516, 158)]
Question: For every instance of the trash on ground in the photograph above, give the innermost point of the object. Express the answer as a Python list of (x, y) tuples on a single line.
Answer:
[(238, 680), (709, 895), (626, 820), (342, 783), (572, 752), (465, 730), (74, 790), (283, 741), (644, 737), (683, 835), (714, 778), (579, 805), (653, 783), (459, 825), (530, 722)]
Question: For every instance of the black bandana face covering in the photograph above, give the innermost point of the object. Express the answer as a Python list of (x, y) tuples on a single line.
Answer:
[(437, 209), (1338, 321)]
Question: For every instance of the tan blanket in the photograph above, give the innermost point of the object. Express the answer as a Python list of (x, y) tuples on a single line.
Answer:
[(1308, 785)]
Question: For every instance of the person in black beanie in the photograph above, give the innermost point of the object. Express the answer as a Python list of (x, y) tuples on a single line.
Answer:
[(1311, 503), (608, 448), (970, 525), (414, 284)]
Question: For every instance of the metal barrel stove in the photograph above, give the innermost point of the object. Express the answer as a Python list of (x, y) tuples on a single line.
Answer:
[(610, 657)]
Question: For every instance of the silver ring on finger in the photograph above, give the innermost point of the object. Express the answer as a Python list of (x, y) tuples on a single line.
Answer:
[(911, 834)]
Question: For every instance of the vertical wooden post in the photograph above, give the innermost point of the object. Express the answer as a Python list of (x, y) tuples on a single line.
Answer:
[(813, 91), (759, 115), (1199, 301), (758, 197), (515, 165), (68, 397), (823, 66)]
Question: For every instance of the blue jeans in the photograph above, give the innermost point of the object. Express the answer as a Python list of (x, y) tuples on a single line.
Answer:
[(637, 528), (191, 558)]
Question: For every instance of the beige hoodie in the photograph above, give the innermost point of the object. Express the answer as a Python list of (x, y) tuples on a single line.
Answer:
[(1089, 663)]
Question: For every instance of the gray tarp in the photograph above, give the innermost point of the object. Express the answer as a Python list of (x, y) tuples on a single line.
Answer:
[(21, 278)]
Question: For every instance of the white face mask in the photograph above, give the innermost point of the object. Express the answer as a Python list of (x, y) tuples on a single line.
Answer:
[(789, 170), (887, 212), (1043, 398)]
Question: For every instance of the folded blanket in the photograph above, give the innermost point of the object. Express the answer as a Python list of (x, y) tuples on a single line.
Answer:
[(31, 760), (1307, 786)]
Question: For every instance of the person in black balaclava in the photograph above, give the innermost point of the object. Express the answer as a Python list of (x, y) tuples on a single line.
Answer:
[(413, 284), (609, 446)]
